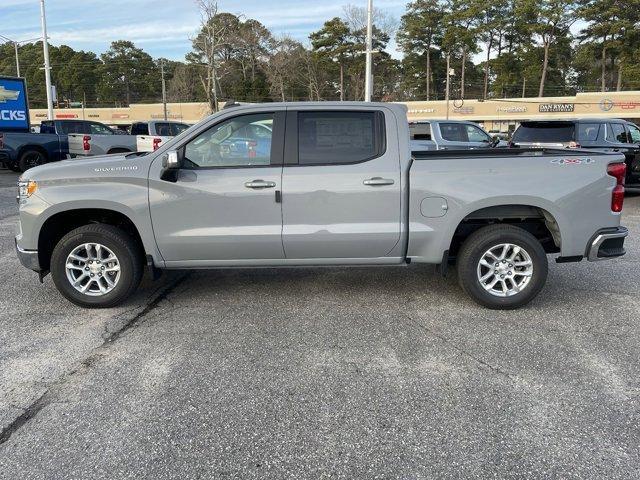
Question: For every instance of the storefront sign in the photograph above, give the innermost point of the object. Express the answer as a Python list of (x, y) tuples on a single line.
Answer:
[(463, 110), (556, 107), (172, 116), (514, 109), (422, 110)]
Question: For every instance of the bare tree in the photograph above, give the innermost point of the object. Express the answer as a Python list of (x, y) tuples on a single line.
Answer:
[(207, 45), (283, 67), (183, 86), (356, 18)]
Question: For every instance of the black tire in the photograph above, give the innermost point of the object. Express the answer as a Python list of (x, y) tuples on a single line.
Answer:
[(31, 158), (120, 243), (481, 241)]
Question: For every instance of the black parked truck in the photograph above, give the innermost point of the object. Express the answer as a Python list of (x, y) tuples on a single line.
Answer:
[(600, 134), (19, 148)]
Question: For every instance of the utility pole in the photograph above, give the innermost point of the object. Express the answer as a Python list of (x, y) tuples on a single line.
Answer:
[(164, 89), (15, 46), (47, 66), (446, 94), (524, 85), (368, 86)]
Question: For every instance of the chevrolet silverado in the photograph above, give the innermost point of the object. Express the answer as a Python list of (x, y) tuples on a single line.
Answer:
[(337, 185)]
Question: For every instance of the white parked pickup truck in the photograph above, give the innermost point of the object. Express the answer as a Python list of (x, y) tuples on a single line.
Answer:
[(150, 135)]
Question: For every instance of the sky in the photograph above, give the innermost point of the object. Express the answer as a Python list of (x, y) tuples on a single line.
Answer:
[(163, 27)]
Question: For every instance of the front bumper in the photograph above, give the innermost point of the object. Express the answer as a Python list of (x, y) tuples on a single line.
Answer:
[(28, 258), (607, 243)]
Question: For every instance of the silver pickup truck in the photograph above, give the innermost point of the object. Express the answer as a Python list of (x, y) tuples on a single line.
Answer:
[(101, 140), (318, 184), (450, 135)]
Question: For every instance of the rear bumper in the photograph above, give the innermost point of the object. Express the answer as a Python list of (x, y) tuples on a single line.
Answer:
[(607, 243), (28, 258)]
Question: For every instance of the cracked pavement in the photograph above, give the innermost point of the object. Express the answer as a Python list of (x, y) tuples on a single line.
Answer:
[(333, 372)]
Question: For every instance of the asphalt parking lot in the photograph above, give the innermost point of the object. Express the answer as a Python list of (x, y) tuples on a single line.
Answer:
[(308, 373)]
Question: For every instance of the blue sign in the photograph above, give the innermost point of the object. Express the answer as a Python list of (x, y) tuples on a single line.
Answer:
[(14, 110)]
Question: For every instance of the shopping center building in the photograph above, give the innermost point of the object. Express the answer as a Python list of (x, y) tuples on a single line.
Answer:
[(495, 115)]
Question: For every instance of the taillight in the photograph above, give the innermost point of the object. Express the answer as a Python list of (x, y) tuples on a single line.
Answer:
[(85, 143), (156, 143), (618, 171)]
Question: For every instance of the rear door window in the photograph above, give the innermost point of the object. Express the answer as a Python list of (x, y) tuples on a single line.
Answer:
[(544, 132), (47, 127), (72, 127), (634, 132), (616, 133), (140, 129), (99, 129), (588, 132), (170, 129), (330, 138), (454, 132), (476, 134)]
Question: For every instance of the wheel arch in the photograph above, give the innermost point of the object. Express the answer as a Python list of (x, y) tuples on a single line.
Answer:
[(31, 146), (540, 219), (62, 222)]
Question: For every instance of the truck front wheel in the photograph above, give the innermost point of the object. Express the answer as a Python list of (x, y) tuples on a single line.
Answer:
[(96, 266), (502, 267)]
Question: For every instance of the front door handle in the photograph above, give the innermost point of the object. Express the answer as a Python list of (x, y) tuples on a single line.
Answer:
[(257, 184), (377, 181)]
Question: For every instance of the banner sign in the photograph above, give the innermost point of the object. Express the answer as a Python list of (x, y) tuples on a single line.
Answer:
[(14, 110)]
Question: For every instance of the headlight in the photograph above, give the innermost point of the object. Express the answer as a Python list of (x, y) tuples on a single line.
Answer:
[(26, 188)]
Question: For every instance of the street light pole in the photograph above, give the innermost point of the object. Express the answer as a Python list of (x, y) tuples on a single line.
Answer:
[(447, 84), (15, 46), (368, 88), (47, 66), (164, 90)]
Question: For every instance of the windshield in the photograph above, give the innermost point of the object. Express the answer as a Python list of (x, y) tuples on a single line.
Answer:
[(544, 132)]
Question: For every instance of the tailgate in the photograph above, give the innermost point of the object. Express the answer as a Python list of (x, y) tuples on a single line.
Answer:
[(149, 143), (77, 144)]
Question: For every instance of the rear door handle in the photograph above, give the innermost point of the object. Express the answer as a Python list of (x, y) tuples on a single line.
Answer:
[(377, 181), (258, 184)]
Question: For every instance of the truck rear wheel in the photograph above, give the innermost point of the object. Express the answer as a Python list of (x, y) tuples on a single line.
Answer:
[(31, 158), (502, 267), (96, 266)]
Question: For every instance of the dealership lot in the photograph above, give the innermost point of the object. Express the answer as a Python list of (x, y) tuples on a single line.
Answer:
[(321, 372)]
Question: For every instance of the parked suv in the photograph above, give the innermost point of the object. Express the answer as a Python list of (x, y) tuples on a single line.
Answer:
[(609, 135)]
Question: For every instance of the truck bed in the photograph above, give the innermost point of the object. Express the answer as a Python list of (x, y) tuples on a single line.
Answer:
[(567, 187)]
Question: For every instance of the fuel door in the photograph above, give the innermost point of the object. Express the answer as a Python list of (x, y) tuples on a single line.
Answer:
[(432, 207)]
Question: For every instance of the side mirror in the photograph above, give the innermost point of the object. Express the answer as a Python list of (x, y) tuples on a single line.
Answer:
[(171, 163), (495, 141)]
